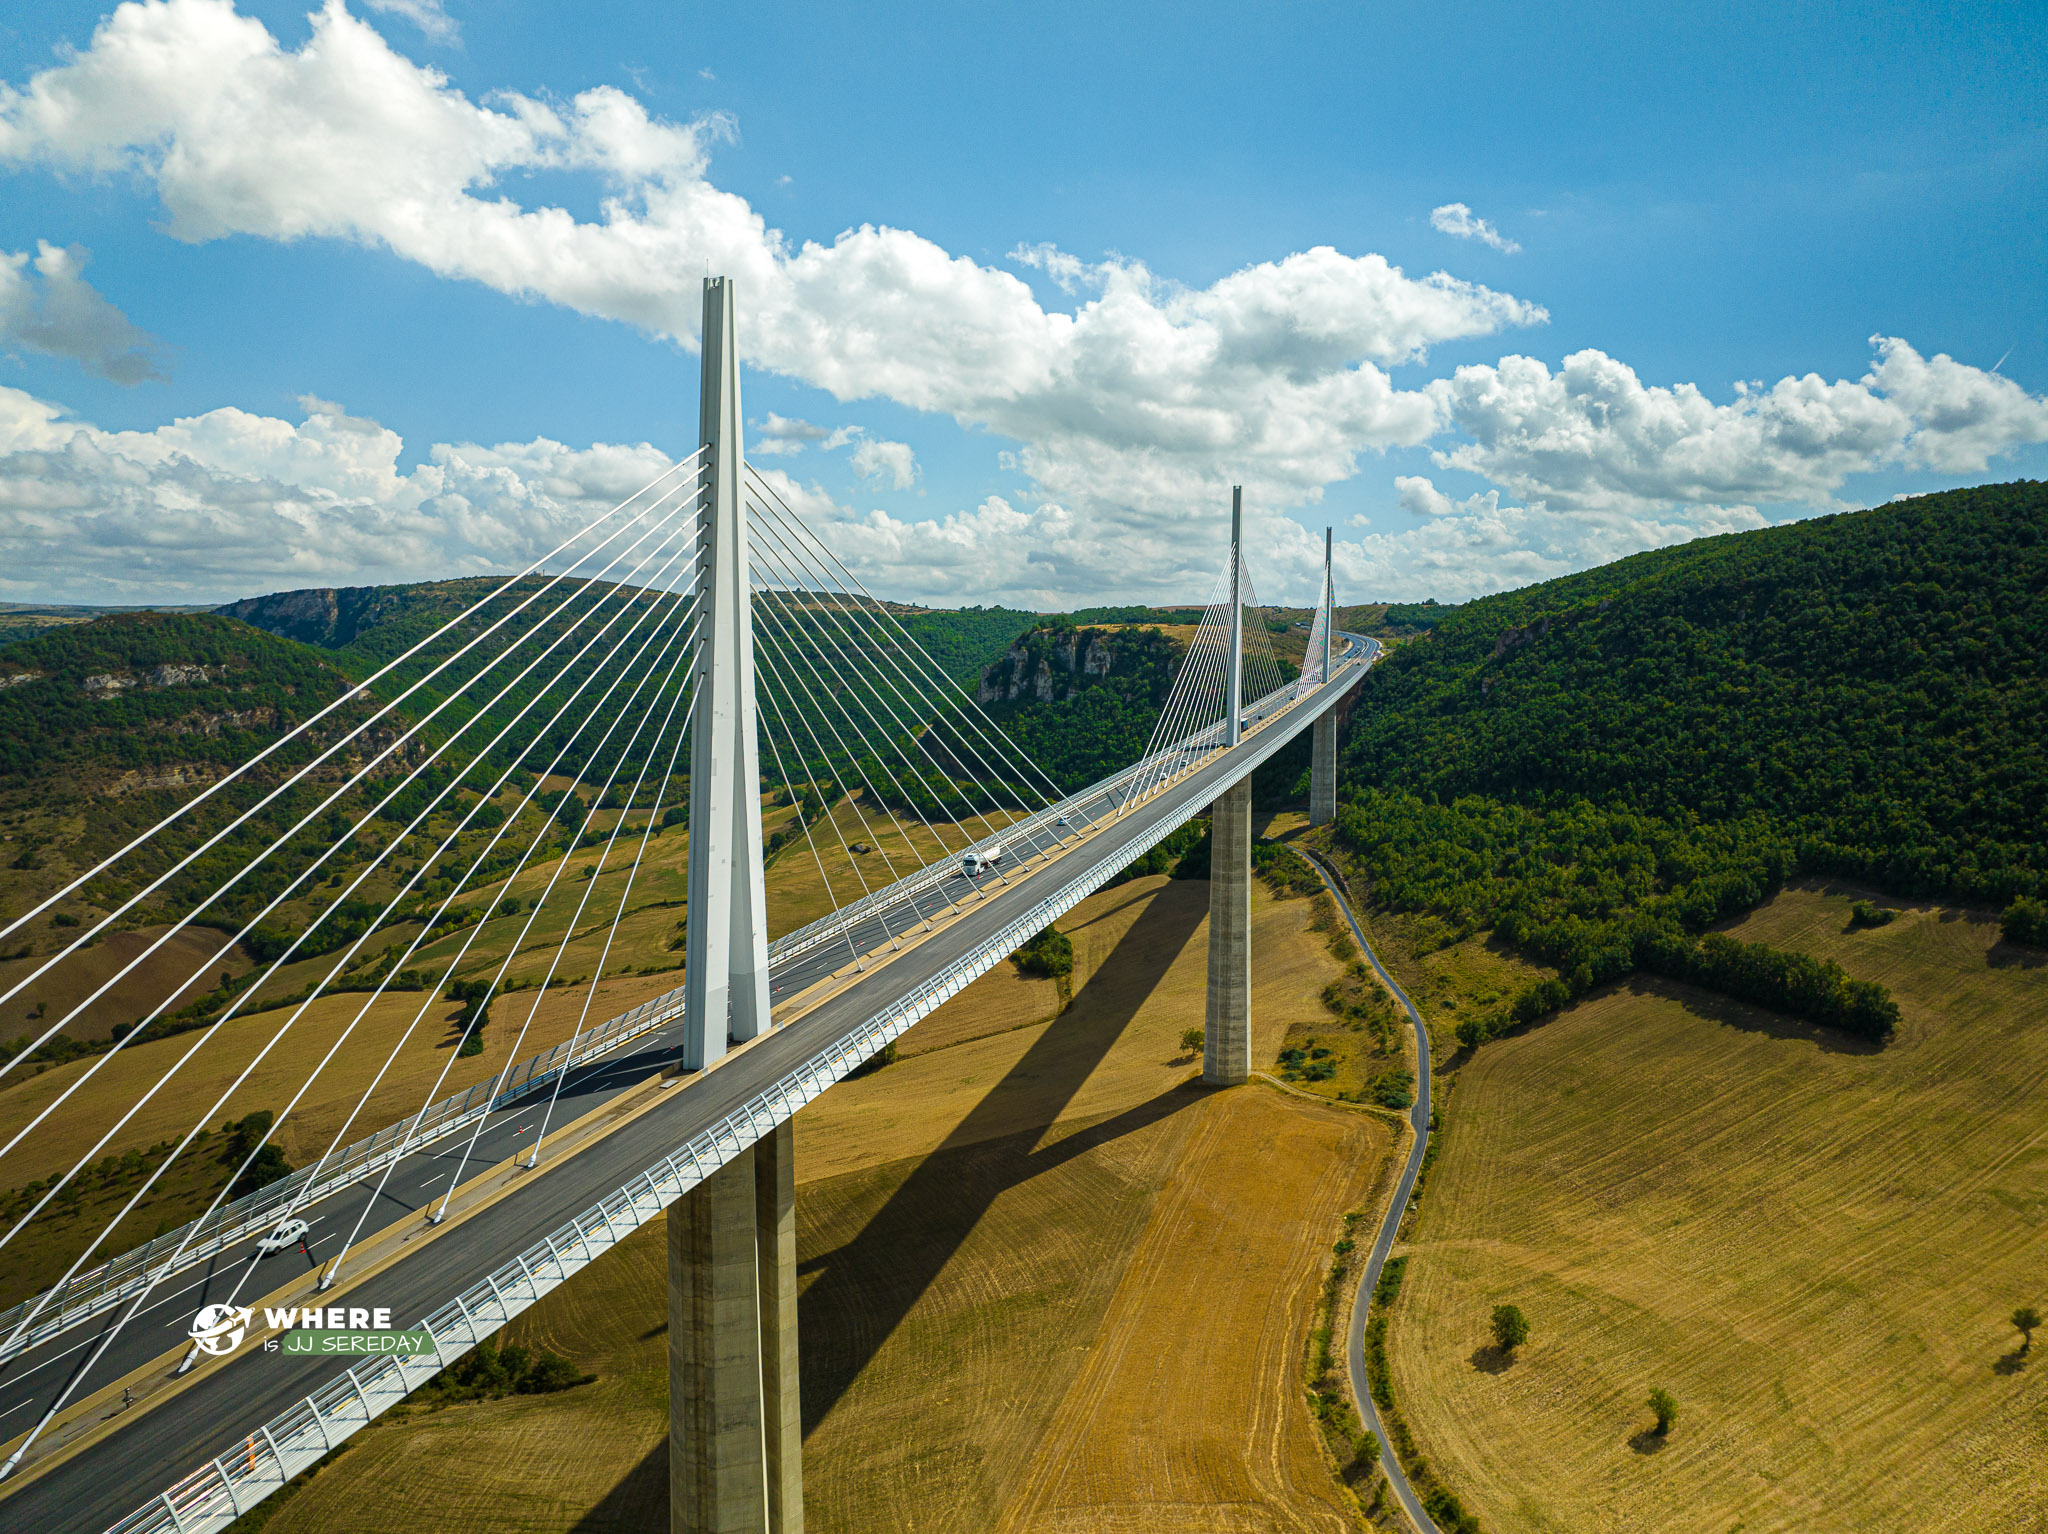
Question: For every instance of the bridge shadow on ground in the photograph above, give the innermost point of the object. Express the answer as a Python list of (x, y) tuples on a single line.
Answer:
[(867, 1287)]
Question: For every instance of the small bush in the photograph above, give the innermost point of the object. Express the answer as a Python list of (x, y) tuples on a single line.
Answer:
[(1510, 1327), (1286, 872), (244, 1135), (1664, 1407), (1392, 1089), (1050, 954), (2026, 921), (488, 1371), (1865, 913)]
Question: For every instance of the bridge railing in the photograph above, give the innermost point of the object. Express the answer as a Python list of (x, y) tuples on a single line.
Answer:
[(213, 1496), (113, 1281), (102, 1287)]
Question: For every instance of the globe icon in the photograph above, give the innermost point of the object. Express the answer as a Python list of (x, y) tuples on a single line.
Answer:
[(217, 1329)]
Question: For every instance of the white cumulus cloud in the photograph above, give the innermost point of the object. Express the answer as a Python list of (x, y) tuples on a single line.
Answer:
[(434, 22), (1132, 412), (47, 306), (1419, 494), (775, 435), (1145, 398), (1594, 436), (892, 462), (230, 504), (1454, 218)]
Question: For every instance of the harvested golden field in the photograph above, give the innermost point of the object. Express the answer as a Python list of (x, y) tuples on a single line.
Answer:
[(123, 1078), (196, 951), (997, 1252), (1812, 1243), (1182, 1417), (1140, 977)]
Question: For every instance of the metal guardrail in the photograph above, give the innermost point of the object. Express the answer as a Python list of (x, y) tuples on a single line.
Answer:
[(101, 1288), (107, 1285), (831, 927), (213, 1496)]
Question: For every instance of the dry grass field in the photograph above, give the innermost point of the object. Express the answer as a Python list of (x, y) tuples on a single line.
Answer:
[(639, 965), (1179, 1419), (1812, 1243), (1025, 1235), (192, 961)]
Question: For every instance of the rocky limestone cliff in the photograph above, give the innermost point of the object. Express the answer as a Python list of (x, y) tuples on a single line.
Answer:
[(327, 616), (1048, 665)]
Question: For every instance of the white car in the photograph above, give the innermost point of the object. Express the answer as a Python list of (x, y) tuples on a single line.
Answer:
[(291, 1233)]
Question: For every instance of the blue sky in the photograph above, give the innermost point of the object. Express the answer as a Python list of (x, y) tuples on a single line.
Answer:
[(1697, 196)]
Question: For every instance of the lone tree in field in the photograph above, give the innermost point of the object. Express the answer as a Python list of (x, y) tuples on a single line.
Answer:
[(1665, 1408), (1191, 1041), (2026, 1318), (1510, 1327)]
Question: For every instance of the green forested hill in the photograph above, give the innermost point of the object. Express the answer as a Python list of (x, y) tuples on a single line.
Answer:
[(966, 639), (138, 690), (1600, 766), (1872, 683)]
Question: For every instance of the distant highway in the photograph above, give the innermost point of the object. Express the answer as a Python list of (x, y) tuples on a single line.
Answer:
[(98, 1486)]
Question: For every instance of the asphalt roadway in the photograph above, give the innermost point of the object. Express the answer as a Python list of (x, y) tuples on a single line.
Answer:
[(1390, 1224), (97, 1487)]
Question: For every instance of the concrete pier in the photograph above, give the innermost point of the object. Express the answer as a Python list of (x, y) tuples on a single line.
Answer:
[(1227, 1031), (717, 1474), (1322, 772), (781, 1405)]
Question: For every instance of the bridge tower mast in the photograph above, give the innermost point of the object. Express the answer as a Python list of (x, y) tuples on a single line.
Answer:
[(1226, 1034), (1322, 772), (1233, 715), (735, 1428)]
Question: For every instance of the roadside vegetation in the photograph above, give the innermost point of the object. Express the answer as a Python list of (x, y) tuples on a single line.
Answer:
[(1596, 770)]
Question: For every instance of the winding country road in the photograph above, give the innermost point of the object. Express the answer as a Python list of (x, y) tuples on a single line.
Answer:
[(1390, 1224)]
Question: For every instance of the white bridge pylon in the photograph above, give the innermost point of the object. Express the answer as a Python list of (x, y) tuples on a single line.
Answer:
[(725, 974), (654, 624)]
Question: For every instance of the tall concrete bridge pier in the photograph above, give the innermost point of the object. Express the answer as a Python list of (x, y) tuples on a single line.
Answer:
[(1226, 1028), (1226, 1034), (735, 1419)]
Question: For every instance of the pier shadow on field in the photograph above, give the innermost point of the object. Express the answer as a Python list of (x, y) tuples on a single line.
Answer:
[(638, 1503), (866, 1287)]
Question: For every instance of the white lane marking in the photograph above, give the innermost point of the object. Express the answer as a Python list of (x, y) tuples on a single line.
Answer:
[(209, 1277)]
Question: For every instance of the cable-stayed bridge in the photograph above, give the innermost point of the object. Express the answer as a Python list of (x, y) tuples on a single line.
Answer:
[(697, 646)]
